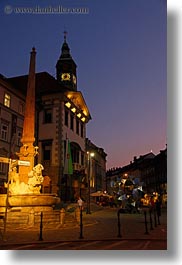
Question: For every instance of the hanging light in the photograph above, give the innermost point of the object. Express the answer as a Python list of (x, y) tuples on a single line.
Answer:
[(79, 115), (73, 110), (68, 104)]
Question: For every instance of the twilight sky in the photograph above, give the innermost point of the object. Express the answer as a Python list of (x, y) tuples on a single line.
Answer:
[(120, 49)]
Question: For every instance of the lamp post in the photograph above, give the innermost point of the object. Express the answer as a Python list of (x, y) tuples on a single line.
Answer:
[(89, 156)]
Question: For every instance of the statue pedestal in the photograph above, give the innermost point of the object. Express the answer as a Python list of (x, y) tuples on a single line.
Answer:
[(24, 210)]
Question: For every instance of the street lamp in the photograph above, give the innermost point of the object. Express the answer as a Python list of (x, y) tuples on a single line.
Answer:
[(89, 156)]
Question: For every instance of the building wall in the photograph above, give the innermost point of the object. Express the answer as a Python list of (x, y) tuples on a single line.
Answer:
[(98, 167), (11, 118), (8, 115), (150, 170), (57, 132), (52, 132)]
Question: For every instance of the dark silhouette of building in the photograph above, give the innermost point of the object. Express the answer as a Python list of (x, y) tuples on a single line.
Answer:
[(149, 170)]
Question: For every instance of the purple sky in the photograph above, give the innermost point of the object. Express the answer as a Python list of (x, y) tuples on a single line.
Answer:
[(119, 47)]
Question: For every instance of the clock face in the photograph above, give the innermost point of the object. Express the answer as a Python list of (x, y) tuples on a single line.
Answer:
[(65, 77), (74, 79)]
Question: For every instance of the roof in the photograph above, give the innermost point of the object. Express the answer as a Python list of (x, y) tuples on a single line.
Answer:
[(44, 84), (146, 156), (77, 98)]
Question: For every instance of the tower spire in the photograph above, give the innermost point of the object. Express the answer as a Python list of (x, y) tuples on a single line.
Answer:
[(65, 35), (66, 67)]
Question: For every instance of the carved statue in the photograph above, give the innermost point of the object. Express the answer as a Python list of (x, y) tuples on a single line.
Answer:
[(34, 182), (35, 178)]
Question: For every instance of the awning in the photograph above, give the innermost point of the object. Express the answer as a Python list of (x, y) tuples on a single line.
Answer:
[(99, 194)]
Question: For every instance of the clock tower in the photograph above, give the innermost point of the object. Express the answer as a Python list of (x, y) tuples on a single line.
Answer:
[(66, 68)]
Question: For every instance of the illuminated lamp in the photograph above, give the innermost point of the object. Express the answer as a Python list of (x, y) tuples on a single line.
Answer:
[(73, 110), (85, 113), (90, 155), (83, 119), (68, 104), (79, 115), (69, 95)]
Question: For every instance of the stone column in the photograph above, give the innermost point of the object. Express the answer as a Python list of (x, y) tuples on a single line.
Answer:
[(28, 151)]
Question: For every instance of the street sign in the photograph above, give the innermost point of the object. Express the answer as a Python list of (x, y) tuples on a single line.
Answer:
[(23, 163), (4, 160), (20, 162)]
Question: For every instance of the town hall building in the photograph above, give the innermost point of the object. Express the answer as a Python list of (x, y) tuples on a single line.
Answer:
[(61, 117)]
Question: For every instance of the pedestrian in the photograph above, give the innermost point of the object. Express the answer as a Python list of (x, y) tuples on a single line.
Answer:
[(80, 203), (152, 204), (111, 202), (158, 207)]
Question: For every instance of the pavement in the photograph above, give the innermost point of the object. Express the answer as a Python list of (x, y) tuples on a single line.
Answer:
[(101, 224)]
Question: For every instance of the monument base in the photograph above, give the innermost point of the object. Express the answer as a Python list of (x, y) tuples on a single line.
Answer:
[(24, 211)]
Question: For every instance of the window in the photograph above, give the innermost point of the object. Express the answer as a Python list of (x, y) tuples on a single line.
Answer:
[(77, 126), (14, 125), (4, 131), (47, 147), (75, 155), (66, 117), (48, 116), (3, 167), (72, 122), (19, 136), (7, 100), (21, 108), (82, 131), (82, 159), (47, 153)]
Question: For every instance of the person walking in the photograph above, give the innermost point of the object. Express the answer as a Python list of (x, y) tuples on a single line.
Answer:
[(158, 207), (80, 203)]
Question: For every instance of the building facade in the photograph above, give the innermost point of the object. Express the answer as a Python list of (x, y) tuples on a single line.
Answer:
[(61, 115), (97, 166), (12, 106), (148, 171)]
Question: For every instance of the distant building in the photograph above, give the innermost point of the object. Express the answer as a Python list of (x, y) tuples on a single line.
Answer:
[(61, 114), (161, 172), (98, 167), (149, 171)]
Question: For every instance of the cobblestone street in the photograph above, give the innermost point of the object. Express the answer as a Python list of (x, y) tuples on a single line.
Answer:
[(99, 226)]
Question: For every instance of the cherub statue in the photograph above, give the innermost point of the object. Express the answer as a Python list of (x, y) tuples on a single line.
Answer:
[(35, 178)]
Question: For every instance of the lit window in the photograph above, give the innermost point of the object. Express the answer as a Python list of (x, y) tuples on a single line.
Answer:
[(7, 100)]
